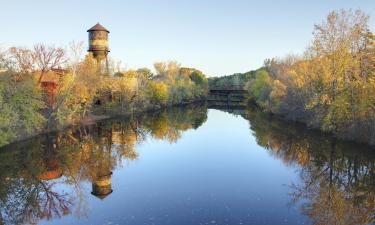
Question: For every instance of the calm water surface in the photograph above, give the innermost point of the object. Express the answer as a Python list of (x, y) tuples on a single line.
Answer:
[(188, 165)]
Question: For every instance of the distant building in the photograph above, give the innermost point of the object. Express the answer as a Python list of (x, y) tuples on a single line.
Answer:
[(50, 81)]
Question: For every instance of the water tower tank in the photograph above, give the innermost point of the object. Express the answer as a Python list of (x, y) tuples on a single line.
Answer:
[(98, 41)]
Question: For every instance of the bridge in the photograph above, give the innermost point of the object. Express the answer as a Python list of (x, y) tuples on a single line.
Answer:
[(228, 96), (227, 91)]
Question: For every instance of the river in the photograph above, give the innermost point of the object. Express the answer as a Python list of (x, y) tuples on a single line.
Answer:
[(188, 165)]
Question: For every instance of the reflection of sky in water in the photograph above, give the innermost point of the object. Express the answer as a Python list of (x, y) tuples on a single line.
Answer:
[(216, 174), (223, 172)]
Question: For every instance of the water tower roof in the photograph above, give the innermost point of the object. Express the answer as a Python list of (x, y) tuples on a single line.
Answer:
[(102, 196), (97, 27)]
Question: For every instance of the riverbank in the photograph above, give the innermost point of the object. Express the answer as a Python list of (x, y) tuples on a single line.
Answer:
[(225, 101), (105, 113), (308, 126), (100, 114)]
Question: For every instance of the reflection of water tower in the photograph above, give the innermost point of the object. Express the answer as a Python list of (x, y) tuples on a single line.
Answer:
[(98, 43), (101, 169), (102, 184)]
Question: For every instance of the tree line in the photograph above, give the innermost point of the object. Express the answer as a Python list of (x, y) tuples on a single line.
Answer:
[(237, 80), (84, 88), (331, 86)]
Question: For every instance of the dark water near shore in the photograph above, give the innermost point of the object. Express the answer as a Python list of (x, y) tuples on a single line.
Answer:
[(189, 165)]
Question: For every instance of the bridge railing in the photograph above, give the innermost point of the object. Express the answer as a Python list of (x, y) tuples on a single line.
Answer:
[(227, 88)]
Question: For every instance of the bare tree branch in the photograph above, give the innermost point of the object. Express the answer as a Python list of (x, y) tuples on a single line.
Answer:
[(47, 58)]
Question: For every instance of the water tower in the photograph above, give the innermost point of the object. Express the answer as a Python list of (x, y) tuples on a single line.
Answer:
[(98, 43)]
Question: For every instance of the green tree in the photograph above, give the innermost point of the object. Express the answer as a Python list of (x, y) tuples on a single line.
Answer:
[(199, 78), (21, 106), (260, 88)]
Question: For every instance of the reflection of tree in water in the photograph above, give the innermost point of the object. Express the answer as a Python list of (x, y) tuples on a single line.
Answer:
[(337, 178), (27, 191), (32, 171), (168, 125)]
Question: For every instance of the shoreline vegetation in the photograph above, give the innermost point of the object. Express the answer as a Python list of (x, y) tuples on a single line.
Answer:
[(35, 99), (330, 87)]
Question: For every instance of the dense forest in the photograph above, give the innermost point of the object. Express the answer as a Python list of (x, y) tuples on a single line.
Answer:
[(330, 87), (83, 89)]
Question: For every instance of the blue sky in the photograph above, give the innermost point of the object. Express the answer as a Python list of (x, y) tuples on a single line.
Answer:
[(218, 37)]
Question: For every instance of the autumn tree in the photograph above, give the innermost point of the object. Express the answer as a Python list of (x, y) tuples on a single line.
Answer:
[(331, 85), (158, 93), (47, 58), (21, 60)]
